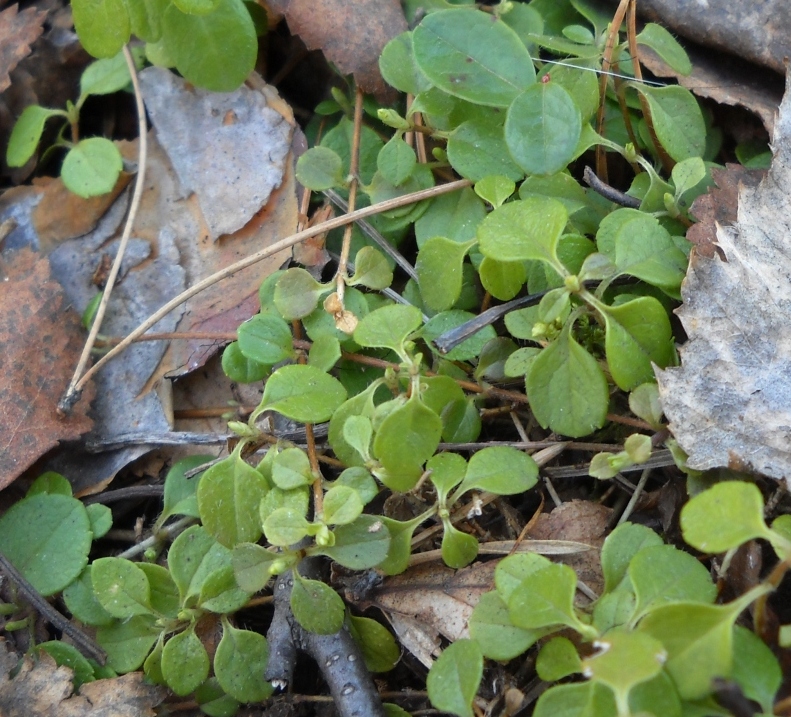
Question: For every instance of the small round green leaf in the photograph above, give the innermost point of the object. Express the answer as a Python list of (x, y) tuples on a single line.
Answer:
[(320, 168), (101, 518), (371, 269), (397, 65), (103, 26), (500, 470), (92, 167), (410, 434), (388, 327), (317, 607), (220, 593), (108, 75), (558, 659), (303, 393), (81, 601), (291, 469), (396, 161), (453, 679), (491, 627), (128, 642), (458, 549), (285, 526), (266, 339), (379, 648), (360, 545), (47, 537), (477, 149), (723, 517), (620, 547), (241, 369), (193, 557), (542, 128), (185, 663), (121, 587), (325, 351), (240, 662), (342, 505)]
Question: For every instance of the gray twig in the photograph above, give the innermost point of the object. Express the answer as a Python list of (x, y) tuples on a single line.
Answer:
[(609, 192), (338, 656)]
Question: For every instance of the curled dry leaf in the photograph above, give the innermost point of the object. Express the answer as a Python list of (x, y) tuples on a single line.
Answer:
[(18, 31), (729, 403), (351, 34), (41, 338), (43, 689)]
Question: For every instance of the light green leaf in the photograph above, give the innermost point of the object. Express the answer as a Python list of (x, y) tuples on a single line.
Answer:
[(396, 161), (220, 593), (371, 269), (128, 642), (454, 215), (458, 549), (495, 189), (266, 339), (297, 293), (357, 432), (320, 168), (251, 564), (677, 119), (109, 75), (523, 229), (241, 369), (164, 595), (47, 537), (473, 55), (81, 601), (666, 46), (397, 65), (342, 505), (285, 526), (193, 557), (101, 518), (558, 659), (91, 167), (447, 471), (581, 84), (644, 403), (360, 545), (27, 134), (185, 663), (620, 547), (512, 570), (325, 351), (542, 128), (502, 279), (388, 327), (360, 405), (228, 496), (638, 335), (360, 480), (399, 550), (240, 662), (755, 668), (303, 393), (50, 482), (316, 606), (197, 7), (291, 469), (102, 25), (477, 149), (453, 679), (121, 587), (723, 517), (491, 627), (688, 174), (501, 470), (438, 267), (214, 66), (567, 389), (583, 699), (518, 363)]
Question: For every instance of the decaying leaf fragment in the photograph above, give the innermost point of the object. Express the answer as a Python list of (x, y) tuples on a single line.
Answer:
[(18, 30), (41, 339), (729, 404)]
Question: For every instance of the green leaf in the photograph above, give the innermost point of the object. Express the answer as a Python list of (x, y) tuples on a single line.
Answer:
[(666, 46), (438, 267), (196, 7), (586, 699), (523, 229), (68, 655), (581, 84), (285, 527), (241, 369), (491, 627), (644, 403), (109, 75), (47, 537), (567, 389), (677, 119), (491, 362), (723, 517), (477, 149), (474, 56), (228, 496), (360, 480), (324, 353), (453, 679), (357, 432), (502, 279), (193, 557), (400, 544), (360, 405), (512, 570), (92, 167), (146, 20), (624, 660), (220, 593), (447, 471), (454, 215), (342, 505), (397, 65), (518, 363), (185, 663), (545, 598), (50, 482), (240, 662), (303, 393), (380, 190), (663, 574), (101, 518), (495, 189), (81, 601), (266, 339), (320, 168), (755, 668), (152, 667), (316, 606), (380, 650), (297, 293), (371, 269), (501, 470), (388, 327), (458, 549), (360, 545), (163, 593), (179, 497), (396, 161), (128, 642), (27, 134), (620, 547), (558, 659), (251, 564), (638, 335), (291, 469), (102, 25), (121, 587), (688, 174), (614, 609), (699, 643), (542, 128), (214, 67), (447, 320)]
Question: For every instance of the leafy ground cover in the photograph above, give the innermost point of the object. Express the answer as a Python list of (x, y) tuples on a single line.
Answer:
[(484, 339)]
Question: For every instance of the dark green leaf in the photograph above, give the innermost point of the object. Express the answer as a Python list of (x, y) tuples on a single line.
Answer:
[(438, 267), (380, 650), (193, 557), (241, 369), (101, 518), (81, 601), (677, 119), (477, 149), (297, 293), (68, 655), (491, 627), (266, 339), (220, 593), (454, 215), (396, 161), (180, 498), (666, 46), (500, 470), (251, 565), (163, 593), (397, 65), (755, 668)]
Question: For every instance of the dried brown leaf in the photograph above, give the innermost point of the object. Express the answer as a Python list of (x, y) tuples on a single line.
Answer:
[(351, 34), (729, 403), (43, 689), (41, 338), (18, 31)]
